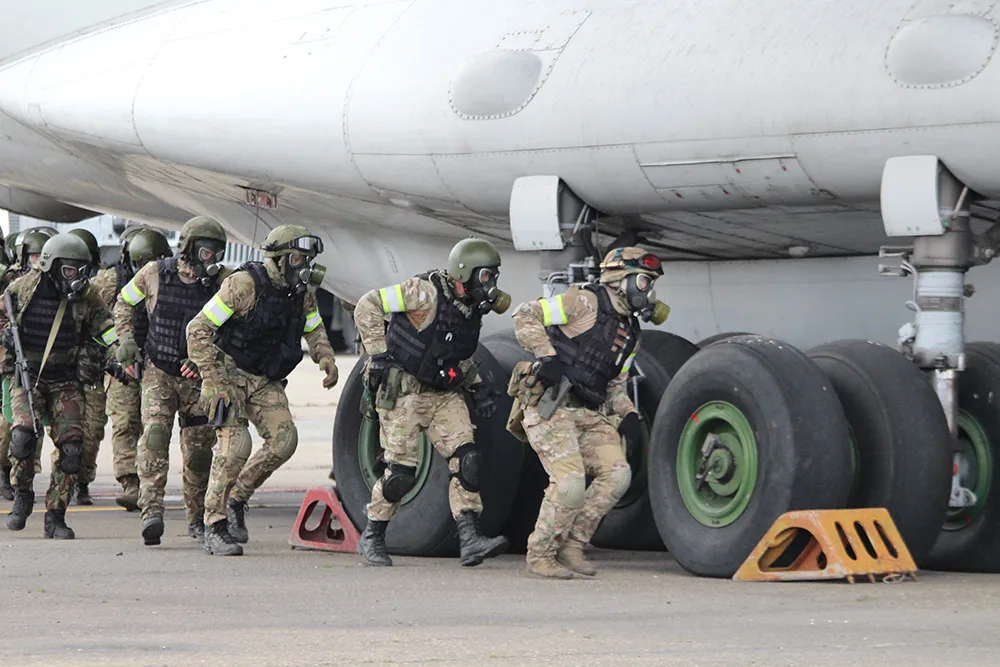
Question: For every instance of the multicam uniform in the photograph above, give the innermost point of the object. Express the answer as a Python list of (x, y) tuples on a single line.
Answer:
[(58, 394), (173, 295), (258, 323), (595, 337)]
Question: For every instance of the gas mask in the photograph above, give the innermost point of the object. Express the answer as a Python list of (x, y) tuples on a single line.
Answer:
[(641, 298), (482, 289), (299, 272), (71, 277), (206, 257)]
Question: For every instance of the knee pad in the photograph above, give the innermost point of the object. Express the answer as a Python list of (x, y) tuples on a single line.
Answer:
[(22, 443), (398, 482), (286, 442), (71, 456), (571, 490), (200, 460), (621, 477), (158, 437), (469, 461)]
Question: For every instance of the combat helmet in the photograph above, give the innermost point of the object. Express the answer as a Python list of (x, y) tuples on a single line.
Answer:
[(622, 262), (31, 243), (300, 248), (65, 258), (9, 243), (475, 263), (635, 271), (91, 241), (203, 245), (146, 246)]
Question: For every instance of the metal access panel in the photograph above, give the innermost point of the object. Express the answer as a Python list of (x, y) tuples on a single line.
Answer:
[(535, 213), (913, 187)]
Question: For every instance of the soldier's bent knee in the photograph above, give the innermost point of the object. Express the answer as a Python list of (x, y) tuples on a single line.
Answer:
[(571, 490), (469, 461), (158, 437), (71, 456), (398, 482), (200, 460), (621, 477), (22, 443), (287, 443)]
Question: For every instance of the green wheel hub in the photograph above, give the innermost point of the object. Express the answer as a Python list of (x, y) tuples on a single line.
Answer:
[(717, 464), (373, 465), (975, 472)]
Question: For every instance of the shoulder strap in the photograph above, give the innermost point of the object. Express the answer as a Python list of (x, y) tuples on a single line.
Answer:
[(53, 333)]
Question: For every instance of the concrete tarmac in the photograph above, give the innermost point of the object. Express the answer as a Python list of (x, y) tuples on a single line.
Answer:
[(105, 599)]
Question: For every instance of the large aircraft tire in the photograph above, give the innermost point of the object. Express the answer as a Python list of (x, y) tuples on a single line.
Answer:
[(900, 435), (630, 524), (715, 338), (784, 446), (424, 525), (970, 538)]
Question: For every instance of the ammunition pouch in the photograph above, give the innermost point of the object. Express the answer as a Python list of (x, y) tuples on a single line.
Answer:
[(524, 396), (388, 391), (90, 362)]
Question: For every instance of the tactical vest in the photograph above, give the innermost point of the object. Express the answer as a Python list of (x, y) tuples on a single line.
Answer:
[(36, 324), (596, 357), (177, 303), (267, 341), (430, 354), (140, 317)]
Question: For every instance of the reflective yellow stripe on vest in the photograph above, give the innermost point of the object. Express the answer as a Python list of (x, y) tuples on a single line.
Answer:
[(217, 311), (552, 311), (313, 320), (392, 299), (132, 294)]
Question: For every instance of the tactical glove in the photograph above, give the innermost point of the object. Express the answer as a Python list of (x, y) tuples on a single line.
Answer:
[(189, 369), (115, 370), (127, 353), (329, 366), (211, 394), (550, 370), (378, 370), (630, 428), (484, 400)]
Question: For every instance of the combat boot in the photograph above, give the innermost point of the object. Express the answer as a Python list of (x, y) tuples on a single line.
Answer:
[(196, 529), (218, 541), (372, 543), (23, 502), (474, 546), (83, 494), (236, 515), (571, 556), (549, 568), (55, 525), (152, 530), (6, 490), (129, 497)]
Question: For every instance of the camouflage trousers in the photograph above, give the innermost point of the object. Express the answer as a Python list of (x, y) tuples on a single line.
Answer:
[(94, 421), (575, 442), (163, 396), (5, 460), (234, 472), (63, 404), (443, 417), (124, 408)]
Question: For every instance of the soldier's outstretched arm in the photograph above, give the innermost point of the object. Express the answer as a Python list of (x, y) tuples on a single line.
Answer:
[(236, 296), (415, 297), (314, 332), (129, 298), (101, 323)]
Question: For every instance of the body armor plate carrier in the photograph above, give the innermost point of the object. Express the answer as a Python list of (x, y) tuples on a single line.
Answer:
[(177, 303), (433, 355), (596, 357), (36, 322), (267, 341)]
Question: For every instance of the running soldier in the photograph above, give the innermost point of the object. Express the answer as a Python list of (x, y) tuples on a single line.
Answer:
[(420, 363), (258, 320)]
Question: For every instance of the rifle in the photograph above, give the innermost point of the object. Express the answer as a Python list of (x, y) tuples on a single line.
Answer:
[(21, 363), (553, 398)]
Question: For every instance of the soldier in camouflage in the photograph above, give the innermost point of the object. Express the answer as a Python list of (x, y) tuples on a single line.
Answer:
[(589, 336), (174, 290), (64, 328), (246, 341), (24, 249), (423, 358), (140, 245)]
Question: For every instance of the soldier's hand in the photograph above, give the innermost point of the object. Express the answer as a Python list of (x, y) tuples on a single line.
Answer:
[(212, 394), (550, 370), (329, 366), (484, 400), (189, 369), (378, 370), (630, 428), (128, 354)]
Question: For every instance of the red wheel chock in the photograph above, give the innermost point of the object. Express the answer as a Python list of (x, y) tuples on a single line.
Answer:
[(335, 532)]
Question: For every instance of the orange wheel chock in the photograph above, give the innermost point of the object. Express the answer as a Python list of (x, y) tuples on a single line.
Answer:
[(334, 532), (829, 544)]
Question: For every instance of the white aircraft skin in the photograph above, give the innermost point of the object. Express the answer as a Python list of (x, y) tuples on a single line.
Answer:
[(392, 128)]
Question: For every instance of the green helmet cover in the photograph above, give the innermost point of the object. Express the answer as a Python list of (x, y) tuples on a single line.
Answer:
[(201, 227), (148, 245), (91, 241), (63, 246), (469, 254), (32, 242)]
